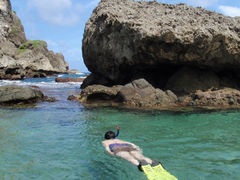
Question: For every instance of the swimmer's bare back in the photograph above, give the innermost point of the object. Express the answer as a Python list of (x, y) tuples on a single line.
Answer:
[(106, 144)]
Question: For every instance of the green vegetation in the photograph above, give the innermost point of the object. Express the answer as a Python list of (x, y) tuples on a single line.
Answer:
[(32, 44), (14, 29), (21, 50)]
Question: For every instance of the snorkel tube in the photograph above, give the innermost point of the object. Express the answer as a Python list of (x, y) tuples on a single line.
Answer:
[(117, 131)]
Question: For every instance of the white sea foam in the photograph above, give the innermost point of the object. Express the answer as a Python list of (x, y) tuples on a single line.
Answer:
[(42, 84)]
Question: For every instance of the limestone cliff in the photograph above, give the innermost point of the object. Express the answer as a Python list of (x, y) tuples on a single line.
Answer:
[(20, 57)]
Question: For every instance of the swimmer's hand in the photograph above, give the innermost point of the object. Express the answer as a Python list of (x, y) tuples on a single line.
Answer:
[(138, 148), (111, 153)]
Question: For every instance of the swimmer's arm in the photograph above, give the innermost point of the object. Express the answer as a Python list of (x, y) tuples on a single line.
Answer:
[(107, 148)]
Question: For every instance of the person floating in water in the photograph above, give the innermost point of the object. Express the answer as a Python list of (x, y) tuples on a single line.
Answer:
[(125, 150), (132, 153)]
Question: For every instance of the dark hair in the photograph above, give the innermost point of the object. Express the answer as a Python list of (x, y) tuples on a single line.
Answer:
[(109, 135)]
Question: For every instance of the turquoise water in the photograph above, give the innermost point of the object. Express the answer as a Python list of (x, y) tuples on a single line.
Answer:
[(62, 140)]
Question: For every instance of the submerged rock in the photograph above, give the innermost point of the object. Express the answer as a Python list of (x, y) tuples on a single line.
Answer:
[(69, 79), (72, 98), (49, 99)]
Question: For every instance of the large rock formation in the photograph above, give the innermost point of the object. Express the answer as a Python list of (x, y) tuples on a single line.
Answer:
[(175, 47), (126, 38), (20, 57)]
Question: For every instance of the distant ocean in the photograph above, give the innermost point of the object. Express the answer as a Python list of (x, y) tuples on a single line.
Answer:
[(62, 140), (48, 82)]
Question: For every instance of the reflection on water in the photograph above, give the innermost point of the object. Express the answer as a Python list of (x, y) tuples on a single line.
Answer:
[(62, 140)]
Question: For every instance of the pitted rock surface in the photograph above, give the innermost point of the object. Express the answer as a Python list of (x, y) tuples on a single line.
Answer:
[(16, 94), (122, 35), (179, 55)]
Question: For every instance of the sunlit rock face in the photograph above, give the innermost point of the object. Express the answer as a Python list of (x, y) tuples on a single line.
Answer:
[(19, 57), (5, 5)]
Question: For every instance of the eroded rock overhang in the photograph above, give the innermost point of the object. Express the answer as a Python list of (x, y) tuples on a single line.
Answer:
[(125, 40)]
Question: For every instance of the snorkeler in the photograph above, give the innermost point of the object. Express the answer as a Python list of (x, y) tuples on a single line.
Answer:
[(132, 153), (124, 149)]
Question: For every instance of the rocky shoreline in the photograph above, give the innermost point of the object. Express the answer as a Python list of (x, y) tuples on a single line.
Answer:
[(145, 55), (141, 95), (161, 56)]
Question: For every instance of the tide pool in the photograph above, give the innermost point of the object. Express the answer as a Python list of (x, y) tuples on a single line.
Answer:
[(62, 140)]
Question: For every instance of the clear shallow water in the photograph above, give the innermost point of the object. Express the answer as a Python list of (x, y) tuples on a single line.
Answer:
[(62, 140)]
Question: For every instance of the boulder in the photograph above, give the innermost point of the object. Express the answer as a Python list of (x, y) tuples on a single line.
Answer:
[(141, 93), (172, 96), (138, 93), (125, 37), (99, 92), (137, 89), (15, 95)]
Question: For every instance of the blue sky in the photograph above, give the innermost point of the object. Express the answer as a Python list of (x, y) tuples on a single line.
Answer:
[(61, 22)]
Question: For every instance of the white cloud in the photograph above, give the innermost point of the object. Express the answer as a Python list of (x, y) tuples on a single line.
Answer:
[(230, 11), (60, 12), (52, 44), (202, 3), (65, 48)]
